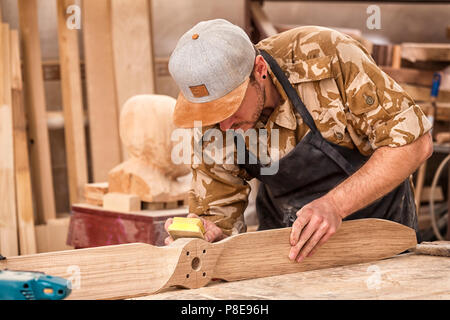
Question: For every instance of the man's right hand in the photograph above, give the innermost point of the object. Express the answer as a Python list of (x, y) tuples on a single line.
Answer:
[(212, 232)]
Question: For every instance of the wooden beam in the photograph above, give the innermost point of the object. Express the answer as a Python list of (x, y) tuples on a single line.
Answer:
[(8, 219), (72, 104), (139, 269), (410, 76), (121, 202), (133, 50), (25, 212), (420, 93), (36, 112), (101, 89), (94, 193), (426, 51), (262, 22)]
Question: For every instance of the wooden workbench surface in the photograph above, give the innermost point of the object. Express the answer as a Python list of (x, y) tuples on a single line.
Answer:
[(407, 276)]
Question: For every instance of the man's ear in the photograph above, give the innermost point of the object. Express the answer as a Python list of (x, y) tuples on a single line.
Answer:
[(260, 68)]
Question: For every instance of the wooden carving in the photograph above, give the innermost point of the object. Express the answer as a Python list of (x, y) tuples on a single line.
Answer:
[(145, 129), (137, 269)]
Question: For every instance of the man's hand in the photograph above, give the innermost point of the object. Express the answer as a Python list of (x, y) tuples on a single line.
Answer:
[(315, 224), (212, 232)]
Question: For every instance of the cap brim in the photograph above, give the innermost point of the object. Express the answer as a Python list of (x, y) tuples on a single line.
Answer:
[(209, 113)]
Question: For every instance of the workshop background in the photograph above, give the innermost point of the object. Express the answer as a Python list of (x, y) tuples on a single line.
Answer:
[(120, 49)]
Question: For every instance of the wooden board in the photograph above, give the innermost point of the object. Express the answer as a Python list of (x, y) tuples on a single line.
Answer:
[(101, 88), (25, 212), (133, 50), (406, 276), (139, 269), (94, 192), (72, 104), (410, 76), (8, 220), (52, 236), (36, 111), (420, 93), (426, 51)]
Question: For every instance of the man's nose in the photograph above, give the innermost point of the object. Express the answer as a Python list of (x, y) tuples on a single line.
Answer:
[(226, 124)]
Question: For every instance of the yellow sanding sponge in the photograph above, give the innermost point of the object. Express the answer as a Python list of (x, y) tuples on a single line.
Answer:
[(186, 228)]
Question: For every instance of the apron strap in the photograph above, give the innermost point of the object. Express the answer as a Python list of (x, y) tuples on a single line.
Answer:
[(290, 91)]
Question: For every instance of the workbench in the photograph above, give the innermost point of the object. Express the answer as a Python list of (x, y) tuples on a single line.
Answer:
[(405, 276)]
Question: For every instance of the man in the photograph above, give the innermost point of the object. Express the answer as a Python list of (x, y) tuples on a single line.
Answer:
[(349, 136)]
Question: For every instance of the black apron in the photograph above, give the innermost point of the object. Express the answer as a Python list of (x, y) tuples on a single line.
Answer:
[(312, 169)]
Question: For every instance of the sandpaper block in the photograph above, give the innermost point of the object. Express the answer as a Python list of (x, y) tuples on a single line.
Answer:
[(186, 228)]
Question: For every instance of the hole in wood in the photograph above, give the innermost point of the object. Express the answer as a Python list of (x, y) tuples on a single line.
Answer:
[(196, 264), (187, 276), (204, 274), (187, 253), (204, 251)]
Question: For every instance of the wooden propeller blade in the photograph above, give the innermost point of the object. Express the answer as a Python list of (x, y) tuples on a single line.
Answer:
[(129, 270), (265, 254)]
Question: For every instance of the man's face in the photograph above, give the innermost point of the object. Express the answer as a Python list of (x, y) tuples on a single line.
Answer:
[(249, 111)]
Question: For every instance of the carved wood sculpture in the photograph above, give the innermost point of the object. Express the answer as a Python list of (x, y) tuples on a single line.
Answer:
[(130, 270), (145, 129)]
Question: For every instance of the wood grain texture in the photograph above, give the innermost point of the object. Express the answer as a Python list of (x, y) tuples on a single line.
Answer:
[(36, 111), (24, 196), (72, 104), (406, 276), (357, 241), (8, 219), (101, 88), (133, 50), (139, 269), (146, 128)]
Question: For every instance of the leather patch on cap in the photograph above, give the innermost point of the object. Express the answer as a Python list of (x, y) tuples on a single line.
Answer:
[(199, 91)]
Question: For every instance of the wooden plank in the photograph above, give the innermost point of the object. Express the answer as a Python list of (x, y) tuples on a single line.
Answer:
[(94, 192), (406, 276), (72, 104), (8, 220), (192, 263), (419, 93), (52, 236), (262, 22), (101, 89), (410, 76), (36, 112), (121, 202), (25, 212), (426, 51), (133, 50)]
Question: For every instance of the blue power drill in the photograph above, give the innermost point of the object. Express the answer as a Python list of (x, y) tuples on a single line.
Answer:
[(26, 285)]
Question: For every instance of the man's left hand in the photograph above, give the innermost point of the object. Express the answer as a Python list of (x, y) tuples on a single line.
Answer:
[(315, 224)]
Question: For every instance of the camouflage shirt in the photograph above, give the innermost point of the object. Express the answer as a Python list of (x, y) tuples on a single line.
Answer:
[(353, 103)]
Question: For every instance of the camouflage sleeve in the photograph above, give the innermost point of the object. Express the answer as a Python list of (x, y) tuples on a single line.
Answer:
[(220, 194), (379, 110)]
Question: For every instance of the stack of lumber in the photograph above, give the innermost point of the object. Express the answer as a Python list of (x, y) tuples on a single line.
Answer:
[(17, 234), (419, 62), (117, 44)]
